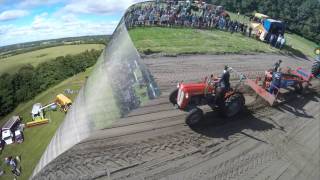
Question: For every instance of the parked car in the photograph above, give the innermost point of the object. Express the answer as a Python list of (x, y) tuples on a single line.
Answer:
[(9, 128), (18, 136)]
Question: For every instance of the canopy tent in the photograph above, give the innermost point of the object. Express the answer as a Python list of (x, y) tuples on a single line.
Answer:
[(273, 26), (260, 16), (257, 27)]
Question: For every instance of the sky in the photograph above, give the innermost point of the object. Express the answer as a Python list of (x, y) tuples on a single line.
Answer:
[(32, 20)]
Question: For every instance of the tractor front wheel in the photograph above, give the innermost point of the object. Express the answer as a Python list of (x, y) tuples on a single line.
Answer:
[(194, 116), (173, 96), (234, 105)]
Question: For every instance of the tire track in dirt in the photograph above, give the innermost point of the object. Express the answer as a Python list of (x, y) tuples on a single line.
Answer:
[(155, 139)]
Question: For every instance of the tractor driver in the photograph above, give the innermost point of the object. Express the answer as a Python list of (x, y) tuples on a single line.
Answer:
[(223, 87), (224, 81), (276, 66)]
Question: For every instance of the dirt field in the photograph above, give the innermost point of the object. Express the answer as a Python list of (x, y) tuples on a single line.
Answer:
[(153, 142)]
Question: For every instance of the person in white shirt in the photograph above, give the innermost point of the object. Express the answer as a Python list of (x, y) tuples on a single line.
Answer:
[(278, 41)]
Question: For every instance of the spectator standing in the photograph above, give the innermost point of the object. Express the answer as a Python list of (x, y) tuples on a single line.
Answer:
[(278, 41), (250, 31), (232, 27), (227, 24), (1, 171), (236, 26), (282, 42), (245, 27), (272, 36)]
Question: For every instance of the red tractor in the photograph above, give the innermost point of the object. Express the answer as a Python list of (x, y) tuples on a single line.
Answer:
[(188, 96)]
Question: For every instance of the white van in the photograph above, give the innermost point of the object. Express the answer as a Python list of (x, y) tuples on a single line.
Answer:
[(9, 127)]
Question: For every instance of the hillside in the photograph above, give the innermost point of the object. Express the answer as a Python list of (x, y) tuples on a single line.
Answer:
[(188, 41), (37, 138)]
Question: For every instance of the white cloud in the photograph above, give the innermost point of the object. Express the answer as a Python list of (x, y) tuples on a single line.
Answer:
[(46, 27), (34, 3), (12, 14), (5, 28), (98, 6), (68, 18), (40, 21), (64, 22)]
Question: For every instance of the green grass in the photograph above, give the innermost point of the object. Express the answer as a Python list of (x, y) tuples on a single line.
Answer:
[(13, 63), (37, 138), (301, 44), (184, 41), (176, 41)]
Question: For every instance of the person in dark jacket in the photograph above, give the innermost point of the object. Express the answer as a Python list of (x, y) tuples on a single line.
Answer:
[(250, 31), (222, 88), (224, 81), (276, 82), (276, 66)]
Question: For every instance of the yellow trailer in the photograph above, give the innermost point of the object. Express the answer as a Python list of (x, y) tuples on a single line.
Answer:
[(63, 102), (37, 122)]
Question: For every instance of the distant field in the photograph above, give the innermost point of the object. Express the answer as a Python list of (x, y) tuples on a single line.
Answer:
[(13, 63), (37, 138), (185, 40)]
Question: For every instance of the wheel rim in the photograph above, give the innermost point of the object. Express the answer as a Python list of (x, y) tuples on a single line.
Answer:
[(233, 108), (194, 118)]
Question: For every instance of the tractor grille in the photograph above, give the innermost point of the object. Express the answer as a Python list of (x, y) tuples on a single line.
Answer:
[(180, 97)]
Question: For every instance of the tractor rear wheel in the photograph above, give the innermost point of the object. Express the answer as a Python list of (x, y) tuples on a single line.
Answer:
[(315, 70), (173, 96), (234, 105), (194, 116), (298, 88)]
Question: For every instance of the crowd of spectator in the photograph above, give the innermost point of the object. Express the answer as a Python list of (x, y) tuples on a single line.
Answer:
[(277, 41), (186, 14), (178, 14)]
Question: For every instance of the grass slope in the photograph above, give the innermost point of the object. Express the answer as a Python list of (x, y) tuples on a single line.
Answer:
[(13, 63), (37, 138), (301, 44), (185, 40)]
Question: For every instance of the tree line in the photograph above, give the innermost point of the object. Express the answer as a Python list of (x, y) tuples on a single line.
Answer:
[(300, 17), (29, 80), (14, 52)]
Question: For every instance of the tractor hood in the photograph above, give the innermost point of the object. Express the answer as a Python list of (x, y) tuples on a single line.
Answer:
[(193, 88)]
